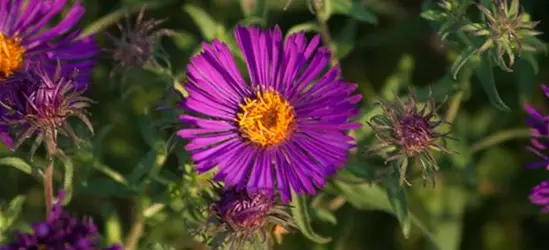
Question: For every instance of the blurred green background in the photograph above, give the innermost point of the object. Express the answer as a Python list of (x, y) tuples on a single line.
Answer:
[(481, 197)]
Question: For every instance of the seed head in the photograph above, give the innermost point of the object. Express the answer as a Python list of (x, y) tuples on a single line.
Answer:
[(40, 105), (406, 132), (137, 44), (507, 31)]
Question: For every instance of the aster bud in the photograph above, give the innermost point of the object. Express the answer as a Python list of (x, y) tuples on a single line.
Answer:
[(406, 132), (40, 104), (138, 43), (507, 30), (240, 218)]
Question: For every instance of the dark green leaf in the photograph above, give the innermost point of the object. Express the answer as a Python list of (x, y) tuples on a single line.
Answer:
[(300, 211), (105, 187), (67, 179), (485, 75), (397, 198), (345, 40), (144, 166), (526, 77), (354, 10), (463, 58)]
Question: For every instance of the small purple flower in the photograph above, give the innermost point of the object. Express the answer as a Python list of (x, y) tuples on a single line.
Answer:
[(59, 231), (41, 105), (539, 125), (540, 195), (405, 132), (285, 129), (26, 39), (242, 215)]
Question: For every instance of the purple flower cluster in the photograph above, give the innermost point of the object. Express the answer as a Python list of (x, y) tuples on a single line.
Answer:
[(60, 231), (30, 41), (284, 129), (539, 143)]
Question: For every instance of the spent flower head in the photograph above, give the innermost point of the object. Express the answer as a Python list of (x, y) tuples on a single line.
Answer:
[(40, 104), (405, 132), (241, 218), (507, 31), (138, 42), (59, 231)]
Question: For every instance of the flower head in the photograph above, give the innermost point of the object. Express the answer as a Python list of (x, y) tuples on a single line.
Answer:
[(243, 216), (41, 105), (59, 231), (508, 31), (540, 195), (138, 42), (285, 129), (404, 131), (27, 39)]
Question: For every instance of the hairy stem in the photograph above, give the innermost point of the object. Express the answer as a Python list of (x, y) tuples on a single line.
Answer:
[(48, 187)]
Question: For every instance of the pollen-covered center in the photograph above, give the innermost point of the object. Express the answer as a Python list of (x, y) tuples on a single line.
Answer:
[(268, 119), (11, 55)]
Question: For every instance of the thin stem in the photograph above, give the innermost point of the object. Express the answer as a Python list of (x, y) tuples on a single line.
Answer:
[(500, 137), (48, 187), (453, 110), (327, 39), (136, 230)]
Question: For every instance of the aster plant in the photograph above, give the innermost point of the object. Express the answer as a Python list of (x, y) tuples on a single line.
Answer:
[(26, 38), (241, 219), (406, 132), (508, 31), (285, 129), (59, 231)]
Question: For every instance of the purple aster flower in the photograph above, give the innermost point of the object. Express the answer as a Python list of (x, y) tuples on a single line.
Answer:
[(239, 217), (41, 106), (405, 132), (26, 38), (285, 128), (59, 231), (539, 125), (540, 195)]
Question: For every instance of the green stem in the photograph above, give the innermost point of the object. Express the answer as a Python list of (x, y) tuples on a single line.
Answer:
[(500, 137), (136, 231), (327, 39), (453, 110), (48, 187)]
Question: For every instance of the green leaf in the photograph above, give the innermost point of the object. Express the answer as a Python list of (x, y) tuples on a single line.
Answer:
[(354, 10), (485, 75), (463, 57), (433, 15), (300, 211), (324, 215), (345, 40), (306, 27), (67, 179), (209, 28), (18, 164), (401, 77), (10, 214), (144, 166), (112, 18), (149, 132), (526, 76), (399, 203)]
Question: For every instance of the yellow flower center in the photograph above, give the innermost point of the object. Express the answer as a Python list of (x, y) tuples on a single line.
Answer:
[(266, 120), (11, 55)]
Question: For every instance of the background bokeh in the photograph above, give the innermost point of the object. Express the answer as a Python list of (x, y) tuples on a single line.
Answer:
[(481, 197)]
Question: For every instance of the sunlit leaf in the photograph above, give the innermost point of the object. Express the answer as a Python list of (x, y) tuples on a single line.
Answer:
[(300, 212), (17, 163), (208, 27), (9, 214)]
